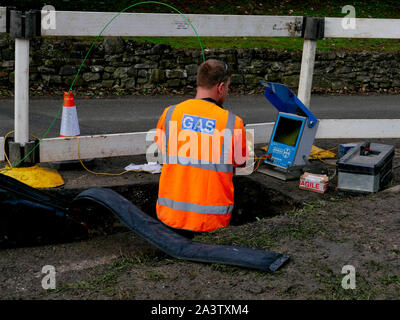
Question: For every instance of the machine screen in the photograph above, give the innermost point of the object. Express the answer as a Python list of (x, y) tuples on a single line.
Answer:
[(287, 131)]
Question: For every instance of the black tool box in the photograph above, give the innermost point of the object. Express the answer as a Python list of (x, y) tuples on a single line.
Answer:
[(366, 168)]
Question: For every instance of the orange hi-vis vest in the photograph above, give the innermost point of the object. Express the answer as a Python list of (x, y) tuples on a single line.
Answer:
[(201, 143)]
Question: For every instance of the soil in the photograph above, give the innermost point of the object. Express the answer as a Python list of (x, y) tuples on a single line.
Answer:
[(321, 233)]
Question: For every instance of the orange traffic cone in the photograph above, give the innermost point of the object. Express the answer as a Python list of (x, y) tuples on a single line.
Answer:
[(69, 117)]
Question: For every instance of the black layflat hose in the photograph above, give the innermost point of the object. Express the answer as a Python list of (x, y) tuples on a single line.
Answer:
[(176, 245)]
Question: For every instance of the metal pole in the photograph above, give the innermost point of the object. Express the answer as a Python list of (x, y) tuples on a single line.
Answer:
[(21, 106), (306, 72)]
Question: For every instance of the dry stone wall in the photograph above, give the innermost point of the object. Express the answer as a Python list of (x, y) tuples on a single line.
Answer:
[(121, 63)]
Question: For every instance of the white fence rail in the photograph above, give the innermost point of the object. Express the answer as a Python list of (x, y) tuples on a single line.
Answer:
[(96, 146), (142, 24), (364, 28), (125, 144), (172, 25)]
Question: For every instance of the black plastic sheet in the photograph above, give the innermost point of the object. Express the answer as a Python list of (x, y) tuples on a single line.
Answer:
[(32, 217)]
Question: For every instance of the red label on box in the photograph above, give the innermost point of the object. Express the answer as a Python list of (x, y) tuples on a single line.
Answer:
[(313, 183)]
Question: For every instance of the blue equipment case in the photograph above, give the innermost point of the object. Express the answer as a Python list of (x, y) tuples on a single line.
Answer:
[(294, 131)]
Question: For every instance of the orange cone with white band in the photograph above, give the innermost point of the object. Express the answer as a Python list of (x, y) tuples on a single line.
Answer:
[(69, 118)]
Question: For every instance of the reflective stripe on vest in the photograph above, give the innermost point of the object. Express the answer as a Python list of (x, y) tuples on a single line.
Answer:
[(168, 117), (187, 206), (223, 166)]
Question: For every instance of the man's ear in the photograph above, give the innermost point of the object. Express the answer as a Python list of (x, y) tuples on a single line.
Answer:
[(220, 87)]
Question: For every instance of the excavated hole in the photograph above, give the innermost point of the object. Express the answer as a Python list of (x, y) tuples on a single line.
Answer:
[(253, 201)]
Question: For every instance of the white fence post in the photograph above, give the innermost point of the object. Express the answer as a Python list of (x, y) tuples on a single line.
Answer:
[(313, 29), (306, 72), (21, 103)]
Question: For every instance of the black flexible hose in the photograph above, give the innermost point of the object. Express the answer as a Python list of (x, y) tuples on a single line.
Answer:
[(176, 245)]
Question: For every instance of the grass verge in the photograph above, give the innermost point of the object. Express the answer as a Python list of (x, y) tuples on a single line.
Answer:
[(290, 44)]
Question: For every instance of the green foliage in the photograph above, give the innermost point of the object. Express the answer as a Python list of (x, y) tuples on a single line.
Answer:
[(227, 269), (291, 44), (154, 275), (390, 279), (329, 8), (332, 8), (105, 282), (308, 208)]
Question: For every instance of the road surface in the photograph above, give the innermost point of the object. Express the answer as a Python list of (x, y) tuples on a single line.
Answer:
[(140, 113)]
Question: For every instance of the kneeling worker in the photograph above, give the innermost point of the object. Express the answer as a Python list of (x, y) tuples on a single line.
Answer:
[(201, 144)]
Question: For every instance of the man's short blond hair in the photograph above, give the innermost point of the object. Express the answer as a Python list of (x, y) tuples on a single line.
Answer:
[(211, 73)]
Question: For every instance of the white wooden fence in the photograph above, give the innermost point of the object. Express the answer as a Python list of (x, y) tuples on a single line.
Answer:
[(70, 23)]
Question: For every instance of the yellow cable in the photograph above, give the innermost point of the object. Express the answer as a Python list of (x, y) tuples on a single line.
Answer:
[(96, 173), (327, 163), (4, 148), (102, 173)]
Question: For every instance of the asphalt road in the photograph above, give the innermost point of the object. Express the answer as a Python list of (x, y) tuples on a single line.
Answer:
[(140, 113)]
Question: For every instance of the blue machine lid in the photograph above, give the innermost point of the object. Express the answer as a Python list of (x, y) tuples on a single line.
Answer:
[(284, 100)]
